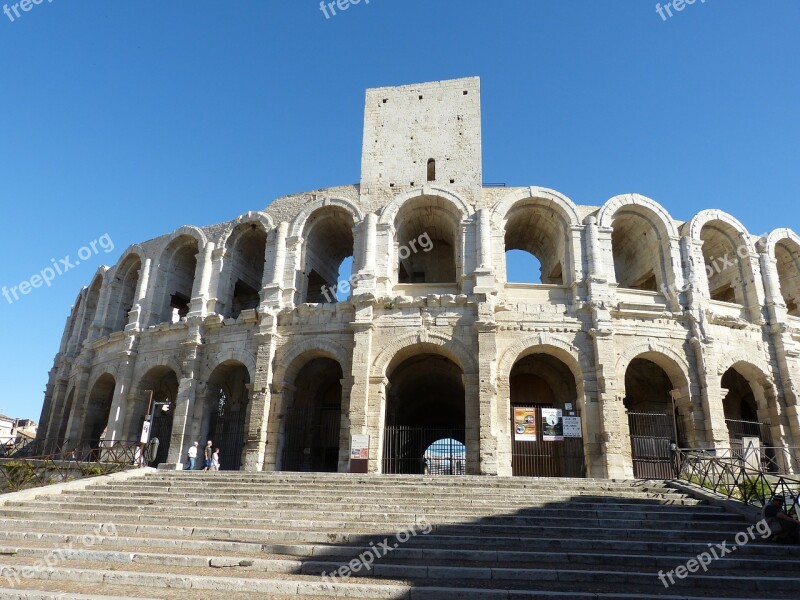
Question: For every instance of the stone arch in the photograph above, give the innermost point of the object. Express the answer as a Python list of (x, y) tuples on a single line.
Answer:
[(643, 241), (91, 307), (605, 216), (189, 230), (459, 205), (783, 246), (293, 358), (100, 370), (261, 218), (215, 360), (328, 240), (538, 222), (298, 224), (166, 361), (242, 253), (557, 201), (176, 274), (665, 356), (544, 343), (124, 280), (406, 345), (725, 241)]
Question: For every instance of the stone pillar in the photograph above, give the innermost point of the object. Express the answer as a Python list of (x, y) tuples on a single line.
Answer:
[(344, 425), (202, 281), (784, 348), (99, 327), (611, 393), (364, 410), (220, 287), (711, 395), (367, 275), (139, 317), (53, 399), (275, 267), (478, 423), (260, 402), (488, 417), (484, 274), (281, 395), (183, 427), (116, 419), (79, 405)]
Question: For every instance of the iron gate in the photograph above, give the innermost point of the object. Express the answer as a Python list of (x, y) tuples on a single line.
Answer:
[(420, 450), (652, 436), (162, 429), (227, 434), (542, 458), (311, 440)]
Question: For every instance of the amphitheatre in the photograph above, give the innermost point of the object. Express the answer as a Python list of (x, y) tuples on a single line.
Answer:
[(641, 333)]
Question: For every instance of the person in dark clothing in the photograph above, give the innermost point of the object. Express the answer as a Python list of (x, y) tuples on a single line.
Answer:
[(784, 528)]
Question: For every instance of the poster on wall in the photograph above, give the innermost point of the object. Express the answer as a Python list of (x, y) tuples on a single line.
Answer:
[(572, 427), (359, 447), (552, 425), (524, 424)]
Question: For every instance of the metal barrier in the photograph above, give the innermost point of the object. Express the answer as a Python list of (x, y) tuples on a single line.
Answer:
[(46, 463), (751, 475)]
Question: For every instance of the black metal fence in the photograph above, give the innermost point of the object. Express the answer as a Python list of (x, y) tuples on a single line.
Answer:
[(48, 463), (311, 440), (424, 450)]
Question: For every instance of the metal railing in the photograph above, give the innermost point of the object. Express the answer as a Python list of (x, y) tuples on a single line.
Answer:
[(751, 475), (46, 463)]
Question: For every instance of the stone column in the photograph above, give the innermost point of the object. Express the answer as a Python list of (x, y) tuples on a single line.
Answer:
[(711, 395), (260, 402), (484, 274), (363, 410), (79, 405), (344, 425), (140, 315), (116, 418), (202, 281), (183, 427), (220, 287), (488, 417), (275, 267), (478, 423), (99, 327), (367, 275)]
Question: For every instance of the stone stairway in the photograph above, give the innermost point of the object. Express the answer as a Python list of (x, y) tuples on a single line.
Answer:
[(233, 535)]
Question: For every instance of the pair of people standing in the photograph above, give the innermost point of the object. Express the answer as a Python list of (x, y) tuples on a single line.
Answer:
[(210, 457)]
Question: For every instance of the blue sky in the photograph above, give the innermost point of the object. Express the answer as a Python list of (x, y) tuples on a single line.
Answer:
[(131, 119)]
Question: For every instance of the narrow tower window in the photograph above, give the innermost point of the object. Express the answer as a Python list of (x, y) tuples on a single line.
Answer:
[(431, 170)]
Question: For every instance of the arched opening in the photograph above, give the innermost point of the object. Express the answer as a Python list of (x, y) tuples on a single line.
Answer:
[(311, 430), (247, 247), (654, 421), (126, 280), (537, 231), (741, 410), (787, 255), (445, 456), (225, 413), (428, 242), (328, 236), (544, 396), (724, 269), (90, 311), (163, 383), (431, 170), (425, 404), (638, 251), (176, 279), (98, 409)]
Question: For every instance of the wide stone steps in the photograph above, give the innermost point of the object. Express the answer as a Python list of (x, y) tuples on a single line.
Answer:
[(225, 535)]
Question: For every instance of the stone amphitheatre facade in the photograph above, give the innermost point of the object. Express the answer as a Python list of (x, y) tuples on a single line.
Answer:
[(638, 320)]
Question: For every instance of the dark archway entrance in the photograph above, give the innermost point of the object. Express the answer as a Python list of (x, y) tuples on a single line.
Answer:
[(312, 422), (425, 417), (163, 383), (741, 411), (540, 384), (653, 420), (98, 410), (226, 410)]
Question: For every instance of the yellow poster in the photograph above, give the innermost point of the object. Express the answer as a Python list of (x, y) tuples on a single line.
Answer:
[(524, 424)]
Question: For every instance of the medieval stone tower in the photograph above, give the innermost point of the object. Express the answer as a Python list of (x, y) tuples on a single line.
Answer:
[(639, 332)]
